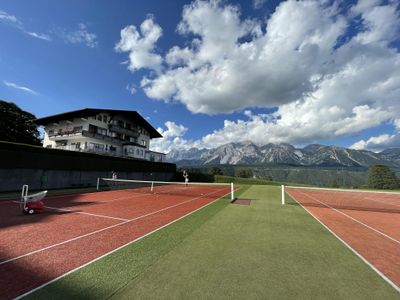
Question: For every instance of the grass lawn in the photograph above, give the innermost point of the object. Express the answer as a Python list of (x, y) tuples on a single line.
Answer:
[(261, 251)]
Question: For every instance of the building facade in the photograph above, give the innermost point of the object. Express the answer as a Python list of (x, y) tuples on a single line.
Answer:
[(104, 131)]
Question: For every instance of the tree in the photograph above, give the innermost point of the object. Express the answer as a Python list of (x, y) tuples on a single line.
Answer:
[(245, 173), (382, 177), (17, 125), (216, 171), (335, 183)]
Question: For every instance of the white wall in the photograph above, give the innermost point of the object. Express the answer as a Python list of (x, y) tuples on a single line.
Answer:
[(134, 151)]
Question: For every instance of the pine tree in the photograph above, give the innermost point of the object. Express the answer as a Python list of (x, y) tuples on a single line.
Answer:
[(216, 171), (382, 177)]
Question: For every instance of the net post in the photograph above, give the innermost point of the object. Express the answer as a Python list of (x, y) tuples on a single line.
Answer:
[(152, 186), (232, 192), (283, 194), (98, 183)]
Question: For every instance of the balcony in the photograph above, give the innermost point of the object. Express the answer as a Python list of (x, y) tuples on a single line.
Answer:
[(123, 130), (102, 137), (155, 156), (61, 135), (149, 155)]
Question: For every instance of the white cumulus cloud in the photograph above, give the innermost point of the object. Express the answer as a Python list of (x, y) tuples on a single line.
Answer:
[(378, 143), (172, 138), (325, 77), (140, 44)]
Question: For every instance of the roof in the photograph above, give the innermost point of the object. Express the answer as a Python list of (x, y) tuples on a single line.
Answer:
[(86, 112)]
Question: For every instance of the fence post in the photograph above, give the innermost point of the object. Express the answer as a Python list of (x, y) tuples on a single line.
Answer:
[(98, 183), (283, 194)]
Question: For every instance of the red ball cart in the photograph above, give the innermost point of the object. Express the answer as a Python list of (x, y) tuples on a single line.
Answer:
[(31, 203)]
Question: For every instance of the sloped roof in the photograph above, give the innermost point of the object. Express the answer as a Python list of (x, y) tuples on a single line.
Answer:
[(87, 112)]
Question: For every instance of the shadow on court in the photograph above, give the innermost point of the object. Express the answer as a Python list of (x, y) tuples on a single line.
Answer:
[(11, 214)]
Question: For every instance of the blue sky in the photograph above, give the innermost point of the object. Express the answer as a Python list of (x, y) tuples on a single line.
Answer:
[(211, 72)]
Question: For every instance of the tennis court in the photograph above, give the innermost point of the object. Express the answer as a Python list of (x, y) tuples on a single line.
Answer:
[(367, 222), (75, 230)]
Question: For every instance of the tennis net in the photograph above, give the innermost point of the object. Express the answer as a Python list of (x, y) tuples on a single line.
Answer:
[(378, 201), (194, 189)]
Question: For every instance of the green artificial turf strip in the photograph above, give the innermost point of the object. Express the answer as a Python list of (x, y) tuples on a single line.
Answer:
[(261, 251)]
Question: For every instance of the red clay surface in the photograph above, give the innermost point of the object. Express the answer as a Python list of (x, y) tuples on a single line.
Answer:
[(369, 222), (76, 229)]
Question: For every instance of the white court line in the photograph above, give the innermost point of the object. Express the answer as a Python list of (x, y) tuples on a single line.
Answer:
[(354, 219), (86, 213), (82, 213), (115, 250), (103, 229), (383, 276)]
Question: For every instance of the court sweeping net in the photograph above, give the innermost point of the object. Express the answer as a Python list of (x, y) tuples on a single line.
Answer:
[(377, 201), (193, 189)]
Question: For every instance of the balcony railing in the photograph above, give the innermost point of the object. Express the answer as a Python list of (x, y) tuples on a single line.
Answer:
[(150, 155), (128, 131), (99, 136), (155, 156), (64, 133)]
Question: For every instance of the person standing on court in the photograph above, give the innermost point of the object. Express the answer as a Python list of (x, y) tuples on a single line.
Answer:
[(186, 176)]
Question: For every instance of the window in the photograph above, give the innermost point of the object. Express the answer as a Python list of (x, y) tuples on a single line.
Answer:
[(102, 131), (51, 132), (137, 151), (105, 119), (96, 147), (99, 118), (143, 143)]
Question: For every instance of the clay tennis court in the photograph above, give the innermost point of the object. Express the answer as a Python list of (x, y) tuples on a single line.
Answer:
[(368, 222), (74, 230)]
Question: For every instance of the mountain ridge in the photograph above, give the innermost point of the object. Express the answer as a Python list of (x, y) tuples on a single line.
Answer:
[(311, 155)]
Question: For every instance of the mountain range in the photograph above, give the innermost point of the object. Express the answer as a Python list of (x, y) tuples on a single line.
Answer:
[(311, 155)]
